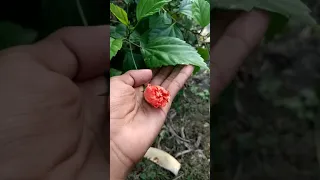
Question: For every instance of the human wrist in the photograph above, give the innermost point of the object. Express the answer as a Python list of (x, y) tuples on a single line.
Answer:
[(120, 166)]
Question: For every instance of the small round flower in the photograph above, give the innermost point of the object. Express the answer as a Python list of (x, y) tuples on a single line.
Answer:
[(157, 96)]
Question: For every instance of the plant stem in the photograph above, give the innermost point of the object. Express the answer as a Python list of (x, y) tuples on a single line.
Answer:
[(132, 43), (83, 17), (134, 62)]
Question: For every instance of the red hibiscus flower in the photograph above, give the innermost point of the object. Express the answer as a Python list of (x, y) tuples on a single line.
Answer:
[(157, 96)]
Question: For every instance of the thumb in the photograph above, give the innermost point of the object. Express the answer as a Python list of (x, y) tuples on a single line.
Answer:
[(136, 78)]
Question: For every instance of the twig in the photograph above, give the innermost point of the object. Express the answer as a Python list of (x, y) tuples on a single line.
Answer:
[(183, 152), (176, 178), (198, 142), (83, 17), (175, 134), (202, 154), (134, 62), (158, 143)]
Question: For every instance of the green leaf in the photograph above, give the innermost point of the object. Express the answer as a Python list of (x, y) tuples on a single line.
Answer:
[(294, 10), (128, 62), (135, 37), (115, 46), (118, 31), (149, 7), (165, 51), (142, 26), (186, 7), (201, 12), (144, 38), (277, 24), (159, 20), (204, 52), (114, 72), (167, 31), (13, 34), (120, 14)]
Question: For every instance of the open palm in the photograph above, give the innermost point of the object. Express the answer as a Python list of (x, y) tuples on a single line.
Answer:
[(134, 123)]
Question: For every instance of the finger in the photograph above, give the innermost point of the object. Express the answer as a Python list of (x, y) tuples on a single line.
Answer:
[(171, 77), (162, 74), (136, 78), (234, 46), (76, 52), (155, 71), (220, 21), (178, 82)]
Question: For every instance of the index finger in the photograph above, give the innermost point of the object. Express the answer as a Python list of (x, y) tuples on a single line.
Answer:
[(236, 43)]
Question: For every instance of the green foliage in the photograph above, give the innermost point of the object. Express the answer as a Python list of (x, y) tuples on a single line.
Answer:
[(120, 14), (115, 46), (147, 170), (114, 72), (186, 8), (201, 12), (165, 51), (204, 53), (149, 7), (160, 33), (281, 11), (13, 34), (37, 19)]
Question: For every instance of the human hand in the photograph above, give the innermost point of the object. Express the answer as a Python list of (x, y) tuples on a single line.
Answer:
[(52, 120), (235, 35), (134, 124)]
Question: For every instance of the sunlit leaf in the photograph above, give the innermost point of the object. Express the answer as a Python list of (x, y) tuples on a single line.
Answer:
[(115, 46), (201, 12), (165, 51), (186, 7), (119, 13), (204, 52)]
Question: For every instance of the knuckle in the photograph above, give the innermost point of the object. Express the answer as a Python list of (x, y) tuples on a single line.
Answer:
[(177, 83)]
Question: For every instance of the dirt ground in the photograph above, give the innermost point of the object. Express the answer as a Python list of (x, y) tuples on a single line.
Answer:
[(266, 125), (186, 135)]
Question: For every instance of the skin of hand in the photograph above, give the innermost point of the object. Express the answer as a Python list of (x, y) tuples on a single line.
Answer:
[(235, 35), (53, 121), (134, 123)]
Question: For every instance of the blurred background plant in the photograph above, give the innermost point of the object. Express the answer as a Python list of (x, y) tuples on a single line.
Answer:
[(266, 124), (24, 22)]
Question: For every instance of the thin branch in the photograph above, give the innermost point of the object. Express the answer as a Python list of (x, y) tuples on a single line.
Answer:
[(83, 17), (128, 41), (133, 57)]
